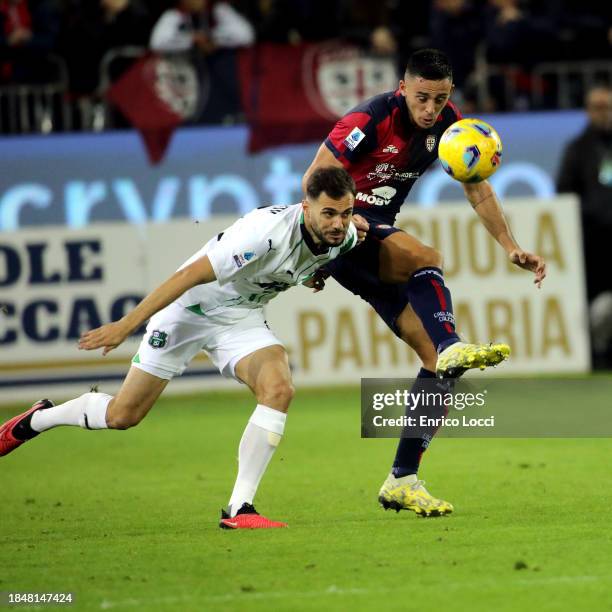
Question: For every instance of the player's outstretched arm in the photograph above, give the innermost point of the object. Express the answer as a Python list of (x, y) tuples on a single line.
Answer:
[(112, 335), (484, 201)]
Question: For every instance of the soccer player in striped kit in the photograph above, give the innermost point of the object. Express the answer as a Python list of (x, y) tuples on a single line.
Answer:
[(386, 143)]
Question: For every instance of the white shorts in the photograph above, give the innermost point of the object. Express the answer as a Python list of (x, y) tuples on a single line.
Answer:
[(176, 335)]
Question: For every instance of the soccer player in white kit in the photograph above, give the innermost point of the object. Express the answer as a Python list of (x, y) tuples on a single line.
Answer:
[(214, 302)]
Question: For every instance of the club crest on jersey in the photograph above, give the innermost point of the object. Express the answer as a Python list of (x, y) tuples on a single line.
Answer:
[(430, 142), (158, 339)]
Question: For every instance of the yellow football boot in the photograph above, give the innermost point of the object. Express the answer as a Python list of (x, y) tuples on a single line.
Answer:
[(409, 493), (454, 360)]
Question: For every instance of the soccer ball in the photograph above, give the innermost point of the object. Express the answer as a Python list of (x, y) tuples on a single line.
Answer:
[(470, 150)]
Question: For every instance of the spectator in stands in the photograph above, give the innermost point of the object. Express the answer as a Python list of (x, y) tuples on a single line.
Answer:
[(93, 28), (211, 32), (585, 28), (291, 21), (517, 39), (179, 29), (457, 29), (182, 28), (229, 30), (28, 31), (16, 23), (369, 24), (508, 32), (294, 21), (586, 170)]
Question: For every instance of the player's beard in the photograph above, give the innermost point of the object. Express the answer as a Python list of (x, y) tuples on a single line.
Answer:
[(326, 239)]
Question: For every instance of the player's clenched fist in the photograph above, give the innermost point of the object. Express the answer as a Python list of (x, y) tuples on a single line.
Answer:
[(362, 227)]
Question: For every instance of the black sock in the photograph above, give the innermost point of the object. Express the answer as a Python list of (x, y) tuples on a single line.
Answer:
[(23, 430), (432, 302), (410, 450)]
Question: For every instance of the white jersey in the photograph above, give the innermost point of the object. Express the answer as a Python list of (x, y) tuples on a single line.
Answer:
[(263, 253)]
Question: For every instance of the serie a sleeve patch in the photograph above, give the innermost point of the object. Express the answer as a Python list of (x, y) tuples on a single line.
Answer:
[(354, 138)]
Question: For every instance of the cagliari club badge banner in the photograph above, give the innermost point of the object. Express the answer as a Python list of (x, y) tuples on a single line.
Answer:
[(296, 93)]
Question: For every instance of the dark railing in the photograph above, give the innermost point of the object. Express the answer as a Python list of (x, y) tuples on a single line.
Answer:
[(50, 106), (37, 107)]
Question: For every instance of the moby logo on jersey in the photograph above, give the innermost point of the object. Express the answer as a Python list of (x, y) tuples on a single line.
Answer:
[(381, 196)]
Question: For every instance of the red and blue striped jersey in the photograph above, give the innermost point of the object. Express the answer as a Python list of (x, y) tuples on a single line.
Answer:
[(385, 152)]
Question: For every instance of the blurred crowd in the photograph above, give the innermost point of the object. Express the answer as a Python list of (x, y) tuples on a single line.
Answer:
[(39, 38)]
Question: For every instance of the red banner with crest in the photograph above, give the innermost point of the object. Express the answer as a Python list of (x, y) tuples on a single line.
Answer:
[(295, 93), (156, 94)]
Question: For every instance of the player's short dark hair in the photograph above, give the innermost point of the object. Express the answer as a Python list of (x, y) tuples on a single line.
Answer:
[(336, 182), (430, 64)]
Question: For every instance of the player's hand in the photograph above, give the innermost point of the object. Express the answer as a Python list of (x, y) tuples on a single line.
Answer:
[(362, 227), (317, 281), (531, 262), (108, 337)]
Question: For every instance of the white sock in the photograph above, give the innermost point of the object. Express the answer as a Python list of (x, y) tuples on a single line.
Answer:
[(259, 441), (87, 411)]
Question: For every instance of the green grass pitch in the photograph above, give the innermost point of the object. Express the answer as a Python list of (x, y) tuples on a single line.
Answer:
[(128, 520)]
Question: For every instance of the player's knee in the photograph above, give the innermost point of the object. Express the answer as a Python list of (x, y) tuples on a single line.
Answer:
[(124, 418), (429, 257), (122, 421), (277, 395)]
